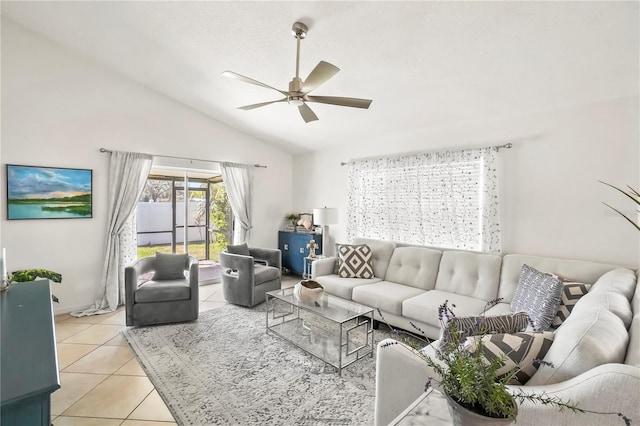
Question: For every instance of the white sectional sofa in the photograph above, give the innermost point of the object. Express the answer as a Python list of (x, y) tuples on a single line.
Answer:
[(596, 351)]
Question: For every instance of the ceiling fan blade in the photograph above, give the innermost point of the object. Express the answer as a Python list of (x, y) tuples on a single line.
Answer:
[(335, 100), (306, 113), (231, 74), (254, 106), (320, 74)]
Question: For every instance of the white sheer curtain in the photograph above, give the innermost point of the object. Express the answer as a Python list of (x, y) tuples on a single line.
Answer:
[(444, 199), (128, 173), (238, 180)]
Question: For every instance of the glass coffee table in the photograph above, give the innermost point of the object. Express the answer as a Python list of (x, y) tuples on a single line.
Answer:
[(337, 331)]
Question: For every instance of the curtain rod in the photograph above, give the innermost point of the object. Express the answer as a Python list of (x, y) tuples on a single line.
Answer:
[(507, 145), (185, 158)]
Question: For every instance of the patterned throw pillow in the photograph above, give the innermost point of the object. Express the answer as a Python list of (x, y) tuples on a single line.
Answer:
[(571, 293), (355, 261), (520, 350), (475, 325), (537, 294)]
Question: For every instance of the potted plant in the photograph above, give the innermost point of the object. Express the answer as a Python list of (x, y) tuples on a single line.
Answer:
[(293, 218), (26, 275), (477, 394)]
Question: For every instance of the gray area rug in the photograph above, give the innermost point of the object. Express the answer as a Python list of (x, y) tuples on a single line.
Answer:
[(223, 369)]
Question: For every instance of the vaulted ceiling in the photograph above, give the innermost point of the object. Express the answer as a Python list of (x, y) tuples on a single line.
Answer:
[(426, 65)]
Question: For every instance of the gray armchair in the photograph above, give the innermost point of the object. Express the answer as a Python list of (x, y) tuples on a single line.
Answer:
[(247, 277), (168, 296)]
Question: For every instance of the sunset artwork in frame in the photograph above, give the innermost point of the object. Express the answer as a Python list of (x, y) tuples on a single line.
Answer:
[(35, 192)]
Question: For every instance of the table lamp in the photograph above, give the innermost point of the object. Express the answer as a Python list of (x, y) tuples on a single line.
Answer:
[(325, 216)]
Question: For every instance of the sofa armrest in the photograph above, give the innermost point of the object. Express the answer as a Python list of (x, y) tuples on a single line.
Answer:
[(273, 257), (236, 262), (401, 377), (131, 275), (324, 266), (607, 388), (194, 278)]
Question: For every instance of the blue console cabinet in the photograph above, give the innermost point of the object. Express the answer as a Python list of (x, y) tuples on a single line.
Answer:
[(293, 246), (29, 368)]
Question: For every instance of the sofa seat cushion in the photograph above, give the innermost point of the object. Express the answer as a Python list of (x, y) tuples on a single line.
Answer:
[(385, 295), (163, 291), (343, 287), (424, 307), (587, 339), (263, 273)]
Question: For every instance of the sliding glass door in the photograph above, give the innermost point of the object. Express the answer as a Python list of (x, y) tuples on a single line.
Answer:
[(163, 208)]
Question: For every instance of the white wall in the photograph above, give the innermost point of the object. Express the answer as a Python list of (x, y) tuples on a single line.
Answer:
[(59, 109), (551, 198)]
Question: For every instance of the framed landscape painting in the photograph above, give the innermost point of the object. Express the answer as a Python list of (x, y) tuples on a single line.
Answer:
[(48, 193)]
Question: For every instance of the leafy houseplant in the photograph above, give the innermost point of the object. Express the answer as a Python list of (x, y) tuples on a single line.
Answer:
[(293, 218), (471, 381), (632, 194), (26, 275)]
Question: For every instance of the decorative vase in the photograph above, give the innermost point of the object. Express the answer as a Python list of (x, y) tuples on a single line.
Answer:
[(462, 416), (308, 291)]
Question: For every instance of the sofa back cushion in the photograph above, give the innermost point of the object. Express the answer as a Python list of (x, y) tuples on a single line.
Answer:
[(414, 266), (612, 292), (620, 280), (573, 270), (469, 274), (633, 351), (381, 254), (587, 338)]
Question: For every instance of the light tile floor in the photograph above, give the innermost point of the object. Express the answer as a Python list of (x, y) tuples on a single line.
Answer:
[(102, 381)]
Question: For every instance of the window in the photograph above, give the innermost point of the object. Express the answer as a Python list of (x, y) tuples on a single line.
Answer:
[(443, 199)]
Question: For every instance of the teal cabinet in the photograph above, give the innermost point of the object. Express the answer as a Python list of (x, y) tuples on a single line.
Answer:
[(293, 246), (29, 367)]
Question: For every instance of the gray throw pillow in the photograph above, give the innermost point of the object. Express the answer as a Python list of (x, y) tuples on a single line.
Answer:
[(539, 295), (170, 266), (241, 249)]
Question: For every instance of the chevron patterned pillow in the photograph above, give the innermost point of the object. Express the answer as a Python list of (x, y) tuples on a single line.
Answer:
[(520, 350), (355, 261), (571, 293)]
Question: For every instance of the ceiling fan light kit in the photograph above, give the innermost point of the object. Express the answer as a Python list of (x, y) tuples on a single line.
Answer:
[(298, 93)]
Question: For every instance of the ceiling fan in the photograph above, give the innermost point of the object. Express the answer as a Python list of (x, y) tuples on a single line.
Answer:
[(298, 93)]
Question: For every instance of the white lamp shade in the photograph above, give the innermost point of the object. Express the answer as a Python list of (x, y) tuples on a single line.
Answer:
[(325, 216)]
